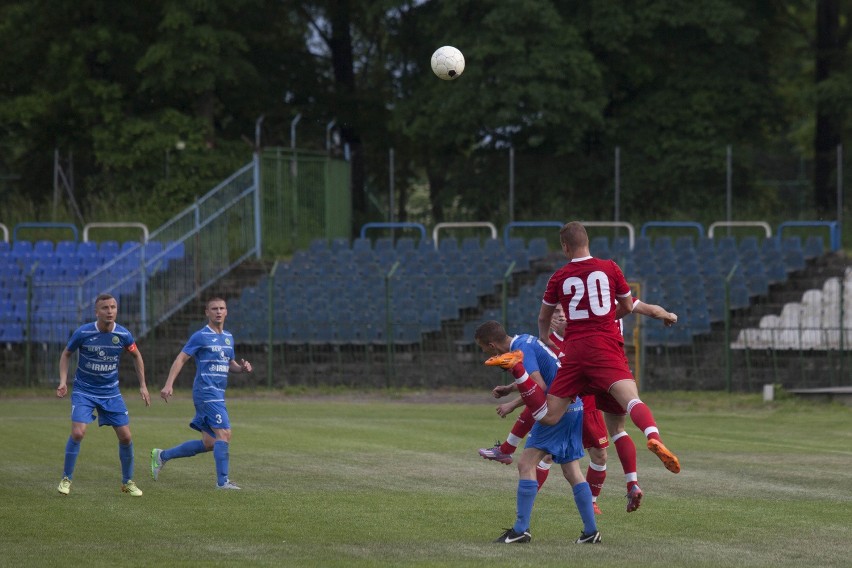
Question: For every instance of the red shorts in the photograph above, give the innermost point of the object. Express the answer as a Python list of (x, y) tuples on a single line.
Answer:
[(591, 366), (594, 429)]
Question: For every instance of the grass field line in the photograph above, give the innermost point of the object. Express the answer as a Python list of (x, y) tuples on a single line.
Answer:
[(763, 443)]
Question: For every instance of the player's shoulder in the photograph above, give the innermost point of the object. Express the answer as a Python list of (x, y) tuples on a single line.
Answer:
[(120, 329), (524, 342), (88, 327)]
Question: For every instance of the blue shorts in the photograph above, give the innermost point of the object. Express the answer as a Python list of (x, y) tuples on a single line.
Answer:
[(563, 440), (210, 416), (110, 411)]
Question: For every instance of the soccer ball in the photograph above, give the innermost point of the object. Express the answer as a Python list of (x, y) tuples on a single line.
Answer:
[(448, 63)]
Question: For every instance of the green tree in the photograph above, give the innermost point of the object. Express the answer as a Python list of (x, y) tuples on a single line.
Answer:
[(684, 79), (529, 84)]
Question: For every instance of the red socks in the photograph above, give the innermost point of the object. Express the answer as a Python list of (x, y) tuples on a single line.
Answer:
[(627, 456), (641, 415), (541, 471), (533, 396), (596, 478), (520, 429)]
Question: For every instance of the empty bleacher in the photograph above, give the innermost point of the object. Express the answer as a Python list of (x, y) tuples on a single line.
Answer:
[(343, 292), (821, 320), (337, 293), (334, 294), (49, 283)]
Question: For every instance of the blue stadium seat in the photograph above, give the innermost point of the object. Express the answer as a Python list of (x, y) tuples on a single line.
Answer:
[(739, 295), (537, 248), (43, 248), (87, 248), (705, 246), (814, 247), (770, 246), (339, 244), (776, 272), (318, 245), (726, 246), (152, 249), (108, 250), (492, 248), (175, 250), (406, 334), (21, 248), (663, 248), (654, 334), (362, 245), (716, 307), (384, 244), (5, 247), (471, 246), (677, 336), (620, 247), (684, 245), (599, 247), (448, 244), (642, 247), (699, 320), (66, 248), (748, 246), (757, 282), (405, 244), (12, 332), (794, 256), (426, 244), (430, 320)]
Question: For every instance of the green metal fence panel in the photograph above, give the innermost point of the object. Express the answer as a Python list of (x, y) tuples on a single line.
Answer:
[(305, 196)]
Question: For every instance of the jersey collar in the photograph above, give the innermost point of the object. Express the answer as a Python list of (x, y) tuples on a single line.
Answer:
[(581, 258)]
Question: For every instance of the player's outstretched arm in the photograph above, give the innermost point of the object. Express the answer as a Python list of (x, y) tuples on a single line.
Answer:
[(656, 312), (545, 317), (177, 365)]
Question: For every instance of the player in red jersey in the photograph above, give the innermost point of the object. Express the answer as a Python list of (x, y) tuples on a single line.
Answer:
[(595, 430), (588, 289)]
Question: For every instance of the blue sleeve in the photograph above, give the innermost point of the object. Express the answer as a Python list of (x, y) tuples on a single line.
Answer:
[(75, 340), (192, 344), (530, 358), (129, 338)]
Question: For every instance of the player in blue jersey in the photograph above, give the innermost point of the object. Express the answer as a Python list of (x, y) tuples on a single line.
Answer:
[(213, 350), (563, 441), (100, 345)]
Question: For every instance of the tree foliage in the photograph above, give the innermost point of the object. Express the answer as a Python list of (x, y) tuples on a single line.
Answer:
[(159, 101)]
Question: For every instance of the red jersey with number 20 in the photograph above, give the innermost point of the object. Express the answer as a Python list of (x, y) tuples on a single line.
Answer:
[(587, 288)]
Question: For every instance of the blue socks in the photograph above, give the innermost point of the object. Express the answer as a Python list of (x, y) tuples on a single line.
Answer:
[(527, 490), (193, 447), (185, 450), (221, 457), (125, 454), (583, 500), (72, 450)]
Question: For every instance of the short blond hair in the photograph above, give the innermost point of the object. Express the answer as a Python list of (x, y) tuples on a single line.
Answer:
[(574, 235), (490, 331)]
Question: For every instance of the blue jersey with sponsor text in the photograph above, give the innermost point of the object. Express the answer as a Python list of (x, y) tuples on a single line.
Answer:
[(99, 353), (213, 353), (538, 357)]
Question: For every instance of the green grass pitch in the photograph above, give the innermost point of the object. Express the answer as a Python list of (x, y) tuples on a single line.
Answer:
[(393, 479)]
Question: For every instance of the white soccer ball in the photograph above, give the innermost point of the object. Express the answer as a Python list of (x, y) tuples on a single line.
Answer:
[(448, 63)]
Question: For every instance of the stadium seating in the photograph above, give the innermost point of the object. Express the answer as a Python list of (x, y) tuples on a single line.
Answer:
[(57, 272), (429, 287)]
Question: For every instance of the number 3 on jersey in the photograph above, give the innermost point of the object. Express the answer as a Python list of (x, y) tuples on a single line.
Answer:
[(597, 286)]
